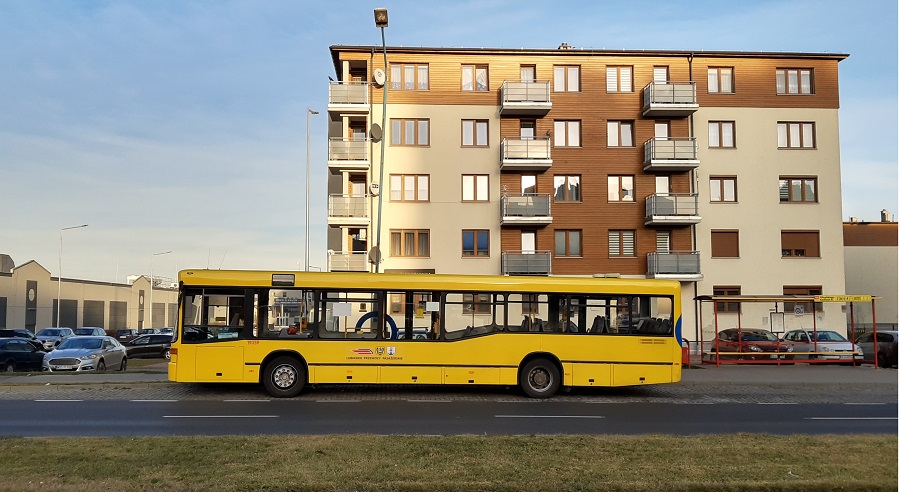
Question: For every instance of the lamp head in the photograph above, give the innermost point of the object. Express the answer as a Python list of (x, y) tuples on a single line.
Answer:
[(381, 17), (312, 111)]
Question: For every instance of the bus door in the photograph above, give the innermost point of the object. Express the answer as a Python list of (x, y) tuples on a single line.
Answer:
[(213, 325)]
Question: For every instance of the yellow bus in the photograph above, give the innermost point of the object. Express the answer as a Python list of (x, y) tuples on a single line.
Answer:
[(289, 329)]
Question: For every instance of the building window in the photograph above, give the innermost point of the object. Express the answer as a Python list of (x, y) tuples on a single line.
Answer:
[(410, 243), (802, 290), (409, 77), (794, 81), (410, 132), (476, 304), (800, 244), (620, 134), (621, 244), (476, 242), (567, 133), (567, 188), (723, 189), (620, 188), (475, 188), (724, 244), (475, 78), (566, 78), (618, 79), (720, 80), (730, 290), (798, 190), (410, 187), (721, 134), (568, 243), (796, 135), (474, 133)]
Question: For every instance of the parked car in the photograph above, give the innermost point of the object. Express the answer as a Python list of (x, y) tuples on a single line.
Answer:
[(90, 332), (125, 335), (149, 346), (21, 333), (87, 354), (755, 343), (18, 354), (887, 347), (832, 342), (52, 337), (150, 331), (167, 331)]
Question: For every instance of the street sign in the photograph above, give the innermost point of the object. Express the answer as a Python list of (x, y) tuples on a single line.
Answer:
[(843, 298)]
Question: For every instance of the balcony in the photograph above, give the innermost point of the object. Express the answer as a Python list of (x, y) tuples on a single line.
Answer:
[(346, 154), (525, 263), (674, 265), (349, 210), (525, 210), (525, 98), (670, 154), (348, 97), (667, 209), (525, 154), (356, 261), (670, 99)]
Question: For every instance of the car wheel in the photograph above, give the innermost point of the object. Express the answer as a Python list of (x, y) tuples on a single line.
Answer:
[(284, 377), (167, 355), (124, 365), (539, 379), (101, 366), (9, 367)]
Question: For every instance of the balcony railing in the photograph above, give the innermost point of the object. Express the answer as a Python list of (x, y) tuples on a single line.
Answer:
[(670, 154), (348, 95), (679, 265), (525, 262), (525, 98), (355, 261), (671, 209), (525, 209), (525, 153), (670, 99), (348, 207), (344, 150)]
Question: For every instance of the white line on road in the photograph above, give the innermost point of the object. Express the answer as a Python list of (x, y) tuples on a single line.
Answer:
[(57, 400), (220, 416), (865, 403), (242, 401), (776, 403), (154, 401), (549, 416), (850, 418), (429, 401), (337, 401)]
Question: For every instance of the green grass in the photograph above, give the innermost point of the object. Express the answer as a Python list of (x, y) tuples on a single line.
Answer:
[(406, 463)]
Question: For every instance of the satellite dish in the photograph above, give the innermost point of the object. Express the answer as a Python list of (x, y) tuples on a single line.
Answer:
[(374, 189), (380, 77), (374, 255), (375, 132)]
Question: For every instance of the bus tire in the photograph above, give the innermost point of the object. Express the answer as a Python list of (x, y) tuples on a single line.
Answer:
[(539, 379), (284, 377)]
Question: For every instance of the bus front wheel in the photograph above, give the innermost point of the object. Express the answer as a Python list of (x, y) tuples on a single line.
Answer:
[(539, 379), (284, 377)]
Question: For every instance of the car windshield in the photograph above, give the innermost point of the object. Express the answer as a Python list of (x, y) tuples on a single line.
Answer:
[(80, 343), (758, 336), (84, 331), (827, 336), (50, 332)]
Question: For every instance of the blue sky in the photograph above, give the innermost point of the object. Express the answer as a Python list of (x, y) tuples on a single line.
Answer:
[(172, 125)]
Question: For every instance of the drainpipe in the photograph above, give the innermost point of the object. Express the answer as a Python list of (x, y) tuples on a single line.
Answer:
[(694, 190)]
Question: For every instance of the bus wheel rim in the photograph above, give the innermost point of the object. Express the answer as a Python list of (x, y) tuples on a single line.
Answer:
[(284, 376), (540, 379)]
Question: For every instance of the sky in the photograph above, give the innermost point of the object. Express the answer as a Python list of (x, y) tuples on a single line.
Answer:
[(181, 126)]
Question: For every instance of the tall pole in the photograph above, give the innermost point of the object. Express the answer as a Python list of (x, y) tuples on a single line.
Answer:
[(306, 249), (59, 279), (151, 284), (381, 20)]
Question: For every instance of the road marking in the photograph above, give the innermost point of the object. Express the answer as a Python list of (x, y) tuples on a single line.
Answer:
[(549, 416), (220, 416), (775, 403), (241, 401), (429, 401), (154, 401), (337, 401), (865, 403), (850, 418), (57, 400)]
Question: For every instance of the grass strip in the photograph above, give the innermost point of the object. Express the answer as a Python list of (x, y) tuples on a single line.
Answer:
[(742, 462)]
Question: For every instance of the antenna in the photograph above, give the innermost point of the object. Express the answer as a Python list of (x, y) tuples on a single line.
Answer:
[(223, 260)]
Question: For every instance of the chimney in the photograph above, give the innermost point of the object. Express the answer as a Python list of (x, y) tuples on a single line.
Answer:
[(854, 219), (886, 216), (564, 46)]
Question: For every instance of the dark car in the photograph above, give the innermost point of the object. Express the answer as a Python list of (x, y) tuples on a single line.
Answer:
[(18, 354), (887, 347), (21, 333), (754, 344), (155, 346), (125, 335)]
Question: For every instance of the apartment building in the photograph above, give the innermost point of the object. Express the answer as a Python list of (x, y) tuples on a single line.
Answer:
[(870, 259), (717, 169)]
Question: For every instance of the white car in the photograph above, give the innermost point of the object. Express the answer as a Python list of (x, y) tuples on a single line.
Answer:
[(87, 354), (824, 345)]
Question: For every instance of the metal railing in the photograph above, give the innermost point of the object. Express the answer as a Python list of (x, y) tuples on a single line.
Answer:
[(356, 206), (525, 263), (525, 92), (340, 92), (354, 261), (673, 263), (525, 206), (683, 93), (525, 148), (345, 149), (671, 204), (670, 149)]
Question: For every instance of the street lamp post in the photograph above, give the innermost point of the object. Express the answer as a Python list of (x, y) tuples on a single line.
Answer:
[(151, 284), (306, 249), (381, 21), (59, 279)]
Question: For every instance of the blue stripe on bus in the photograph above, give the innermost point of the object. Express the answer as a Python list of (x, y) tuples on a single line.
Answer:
[(678, 330)]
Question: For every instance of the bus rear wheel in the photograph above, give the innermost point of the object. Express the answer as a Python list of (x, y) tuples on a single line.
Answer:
[(284, 377), (539, 379)]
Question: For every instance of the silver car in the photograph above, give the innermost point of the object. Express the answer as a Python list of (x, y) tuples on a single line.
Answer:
[(823, 345), (87, 354), (52, 337)]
